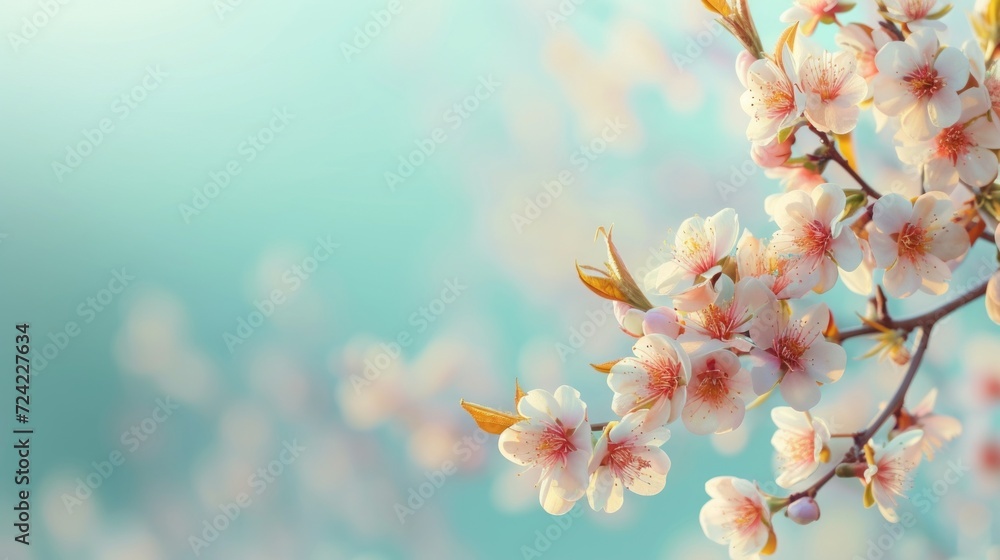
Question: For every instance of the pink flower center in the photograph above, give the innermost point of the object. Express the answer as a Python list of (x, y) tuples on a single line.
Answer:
[(815, 239), (696, 255), (746, 516), (916, 9), (924, 81), (663, 377), (912, 241), (891, 475), (554, 444), (952, 143), (824, 77), (719, 323), (623, 461), (713, 383), (799, 448), (789, 348)]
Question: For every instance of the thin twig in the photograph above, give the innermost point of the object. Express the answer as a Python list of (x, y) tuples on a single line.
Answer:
[(923, 338), (923, 320), (834, 154)]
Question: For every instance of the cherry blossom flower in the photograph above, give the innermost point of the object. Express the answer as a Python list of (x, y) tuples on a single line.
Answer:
[(888, 474), (699, 245), (810, 226), (654, 379), (913, 242), (919, 81), (772, 100), (962, 151), (553, 438), (717, 393), (792, 353), (920, 12), (810, 13), (786, 276), (937, 428), (738, 514), (731, 313), (832, 87), (802, 443), (627, 455)]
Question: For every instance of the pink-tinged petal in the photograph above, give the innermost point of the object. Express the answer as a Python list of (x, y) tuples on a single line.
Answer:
[(846, 250), (917, 122), (827, 277), (799, 390), (953, 66), (891, 213), (895, 59), (932, 269), (695, 298), (931, 206), (940, 174), (764, 370), (949, 242), (572, 410), (882, 499), (537, 404), (515, 449), (993, 297), (975, 102), (985, 132), (944, 108), (724, 226), (926, 404), (665, 278), (884, 249), (767, 325), (901, 280), (661, 320), (829, 201), (978, 167), (824, 361), (891, 97), (599, 490), (650, 480), (551, 498)]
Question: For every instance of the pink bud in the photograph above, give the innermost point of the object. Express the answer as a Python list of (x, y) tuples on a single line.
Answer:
[(629, 318), (661, 320), (803, 511), (773, 154)]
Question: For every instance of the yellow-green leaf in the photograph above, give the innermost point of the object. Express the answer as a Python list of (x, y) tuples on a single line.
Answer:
[(605, 367), (490, 420), (601, 284)]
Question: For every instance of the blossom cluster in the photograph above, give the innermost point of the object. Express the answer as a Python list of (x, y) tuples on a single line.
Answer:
[(731, 320)]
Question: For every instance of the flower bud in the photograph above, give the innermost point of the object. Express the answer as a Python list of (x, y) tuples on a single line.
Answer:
[(774, 154), (803, 511), (662, 320), (629, 318)]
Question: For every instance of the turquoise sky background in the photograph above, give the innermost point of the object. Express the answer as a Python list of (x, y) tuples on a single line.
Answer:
[(202, 82)]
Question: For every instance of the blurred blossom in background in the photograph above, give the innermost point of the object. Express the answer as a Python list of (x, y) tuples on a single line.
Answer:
[(341, 218)]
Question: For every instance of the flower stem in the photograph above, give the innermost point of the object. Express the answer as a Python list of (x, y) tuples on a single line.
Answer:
[(834, 154)]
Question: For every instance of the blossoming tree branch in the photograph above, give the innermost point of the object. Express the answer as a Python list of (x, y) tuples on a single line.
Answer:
[(725, 325)]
